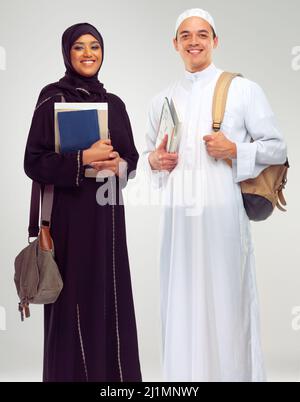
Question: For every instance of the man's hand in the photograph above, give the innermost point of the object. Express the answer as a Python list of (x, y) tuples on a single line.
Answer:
[(160, 159), (220, 147)]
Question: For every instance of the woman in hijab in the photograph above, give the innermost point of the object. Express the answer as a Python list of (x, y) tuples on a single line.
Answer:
[(90, 331)]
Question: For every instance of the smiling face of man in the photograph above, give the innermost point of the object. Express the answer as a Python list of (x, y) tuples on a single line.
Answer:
[(86, 55), (195, 43)]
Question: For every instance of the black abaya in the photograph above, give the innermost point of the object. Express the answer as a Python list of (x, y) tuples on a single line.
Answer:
[(90, 331)]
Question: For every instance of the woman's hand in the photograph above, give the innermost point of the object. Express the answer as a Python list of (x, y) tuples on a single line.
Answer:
[(99, 151), (112, 163), (100, 143)]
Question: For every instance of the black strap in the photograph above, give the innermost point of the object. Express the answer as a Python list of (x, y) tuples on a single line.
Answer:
[(44, 194), (33, 228)]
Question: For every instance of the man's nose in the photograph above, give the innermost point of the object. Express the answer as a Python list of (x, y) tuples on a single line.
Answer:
[(194, 40)]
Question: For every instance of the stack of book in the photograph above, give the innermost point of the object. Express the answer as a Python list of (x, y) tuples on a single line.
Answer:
[(78, 126), (169, 124)]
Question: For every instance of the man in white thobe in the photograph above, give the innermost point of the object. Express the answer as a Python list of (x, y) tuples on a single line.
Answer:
[(209, 303)]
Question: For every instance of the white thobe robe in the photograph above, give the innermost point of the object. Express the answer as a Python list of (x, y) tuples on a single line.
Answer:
[(209, 303)]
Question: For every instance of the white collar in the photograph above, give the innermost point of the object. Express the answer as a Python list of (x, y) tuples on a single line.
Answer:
[(203, 76)]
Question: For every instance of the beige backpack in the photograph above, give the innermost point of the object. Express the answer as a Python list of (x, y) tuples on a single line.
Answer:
[(262, 194)]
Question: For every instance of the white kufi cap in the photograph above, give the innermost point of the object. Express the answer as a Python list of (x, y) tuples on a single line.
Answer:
[(195, 12)]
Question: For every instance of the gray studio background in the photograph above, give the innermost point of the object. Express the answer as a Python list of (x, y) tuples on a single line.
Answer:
[(259, 38)]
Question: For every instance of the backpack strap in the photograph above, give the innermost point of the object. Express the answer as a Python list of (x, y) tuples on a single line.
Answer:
[(220, 98), (219, 101)]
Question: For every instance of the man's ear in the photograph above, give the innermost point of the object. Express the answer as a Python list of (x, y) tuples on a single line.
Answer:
[(216, 42), (175, 43)]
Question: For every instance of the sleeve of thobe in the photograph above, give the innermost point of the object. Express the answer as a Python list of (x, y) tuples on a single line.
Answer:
[(268, 147), (41, 163), (156, 177)]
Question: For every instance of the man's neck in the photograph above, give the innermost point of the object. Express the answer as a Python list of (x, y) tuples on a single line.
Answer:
[(199, 69)]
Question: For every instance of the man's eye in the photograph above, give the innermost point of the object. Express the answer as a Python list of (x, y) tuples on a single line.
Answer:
[(203, 36)]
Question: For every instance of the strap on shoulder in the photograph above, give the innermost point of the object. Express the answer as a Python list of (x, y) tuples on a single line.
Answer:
[(219, 101), (220, 98)]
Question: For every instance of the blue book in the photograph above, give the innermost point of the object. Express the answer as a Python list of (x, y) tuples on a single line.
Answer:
[(78, 129)]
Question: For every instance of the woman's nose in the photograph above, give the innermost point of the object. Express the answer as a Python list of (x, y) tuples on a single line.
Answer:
[(87, 52)]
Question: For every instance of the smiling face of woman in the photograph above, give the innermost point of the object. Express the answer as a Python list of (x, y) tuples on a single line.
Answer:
[(86, 55)]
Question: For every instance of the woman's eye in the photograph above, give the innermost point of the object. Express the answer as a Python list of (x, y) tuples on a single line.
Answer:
[(79, 48)]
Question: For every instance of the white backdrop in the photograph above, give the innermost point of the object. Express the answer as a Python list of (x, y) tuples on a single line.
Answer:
[(259, 38)]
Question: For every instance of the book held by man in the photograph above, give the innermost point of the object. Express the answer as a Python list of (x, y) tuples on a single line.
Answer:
[(78, 126), (169, 124)]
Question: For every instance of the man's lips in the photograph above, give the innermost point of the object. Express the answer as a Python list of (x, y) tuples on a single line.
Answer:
[(194, 51)]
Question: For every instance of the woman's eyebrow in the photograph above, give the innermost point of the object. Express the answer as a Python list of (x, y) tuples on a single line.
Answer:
[(83, 43)]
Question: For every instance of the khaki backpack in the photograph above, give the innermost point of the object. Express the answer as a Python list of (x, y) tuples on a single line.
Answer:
[(262, 194)]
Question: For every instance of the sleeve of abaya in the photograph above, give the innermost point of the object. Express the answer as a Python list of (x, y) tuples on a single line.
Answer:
[(128, 150), (41, 162)]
